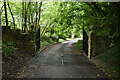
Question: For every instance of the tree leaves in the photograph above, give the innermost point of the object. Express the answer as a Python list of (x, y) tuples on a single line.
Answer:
[(64, 16)]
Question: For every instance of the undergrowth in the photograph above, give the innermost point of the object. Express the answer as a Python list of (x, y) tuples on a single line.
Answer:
[(44, 43), (79, 44), (8, 49), (110, 60)]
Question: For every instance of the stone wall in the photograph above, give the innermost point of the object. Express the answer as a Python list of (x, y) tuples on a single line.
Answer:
[(25, 42)]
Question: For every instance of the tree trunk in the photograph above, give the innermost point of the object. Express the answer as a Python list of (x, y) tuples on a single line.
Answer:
[(22, 16), (26, 11), (39, 12), (6, 14), (29, 16), (25, 18), (11, 14), (39, 18), (31, 13), (36, 15)]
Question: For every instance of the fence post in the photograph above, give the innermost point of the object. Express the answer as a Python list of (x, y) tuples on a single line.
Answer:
[(37, 39)]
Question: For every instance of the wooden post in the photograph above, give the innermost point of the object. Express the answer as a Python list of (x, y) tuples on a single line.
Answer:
[(38, 39), (89, 45)]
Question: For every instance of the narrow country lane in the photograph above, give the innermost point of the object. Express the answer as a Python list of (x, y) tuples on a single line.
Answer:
[(61, 61)]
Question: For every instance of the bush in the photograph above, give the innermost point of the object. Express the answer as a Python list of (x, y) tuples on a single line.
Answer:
[(8, 49), (79, 44)]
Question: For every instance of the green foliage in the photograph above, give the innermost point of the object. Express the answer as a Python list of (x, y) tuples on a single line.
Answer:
[(79, 44), (63, 19), (110, 59), (112, 56), (8, 49), (67, 18), (61, 40), (44, 43), (17, 10)]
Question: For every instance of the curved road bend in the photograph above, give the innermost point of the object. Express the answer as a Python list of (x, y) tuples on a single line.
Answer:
[(61, 61)]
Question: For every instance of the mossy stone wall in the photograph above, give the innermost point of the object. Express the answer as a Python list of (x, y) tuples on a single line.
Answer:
[(97, 44), (24, 41)]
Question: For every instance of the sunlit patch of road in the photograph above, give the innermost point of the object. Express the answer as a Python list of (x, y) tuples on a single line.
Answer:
[(72, 41)]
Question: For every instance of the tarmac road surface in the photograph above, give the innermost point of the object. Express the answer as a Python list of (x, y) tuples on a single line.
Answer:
[(61, 61)]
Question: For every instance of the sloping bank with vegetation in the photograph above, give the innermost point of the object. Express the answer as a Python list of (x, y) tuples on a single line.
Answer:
[(103, 31), (108, 61), (14, 59), (18, 50)]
